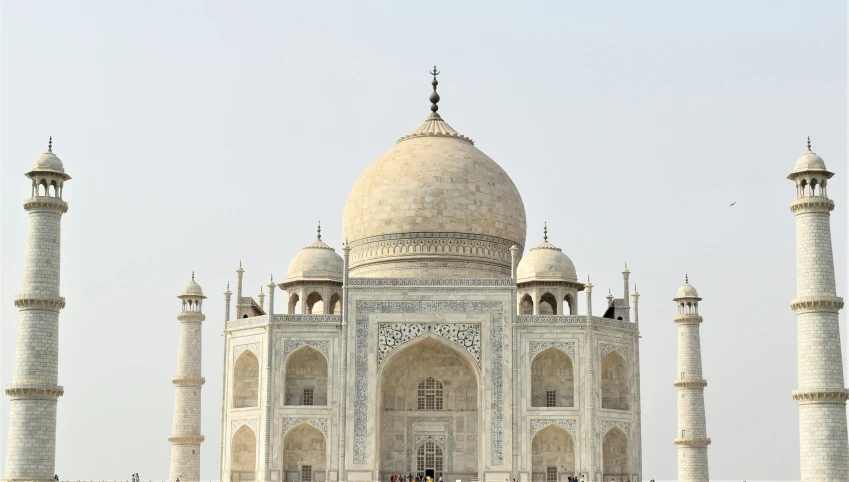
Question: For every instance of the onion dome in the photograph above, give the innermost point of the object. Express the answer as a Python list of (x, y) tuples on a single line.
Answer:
[(809, 161), (687, 291), (317, 261), (192, 289), (49, 161), (433, 206), (546, 262)]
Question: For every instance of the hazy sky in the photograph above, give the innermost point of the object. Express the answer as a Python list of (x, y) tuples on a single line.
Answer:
[(201, 133)]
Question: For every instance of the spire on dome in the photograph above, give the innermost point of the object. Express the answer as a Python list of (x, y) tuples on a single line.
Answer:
[(434, 97), (686, 278), (193, 275), (545, 231), (319, 230), (50, 144), (809, 144)]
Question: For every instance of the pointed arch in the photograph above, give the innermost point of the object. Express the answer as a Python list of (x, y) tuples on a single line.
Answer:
[(315, 304), (243, 455), (553, 452), (306, 377), (304, 453), (552, 379), (294, 301), (547, 304), (335, 306), (526, 306), (616, 455), (246, 380), (569, 305), (614, 382)]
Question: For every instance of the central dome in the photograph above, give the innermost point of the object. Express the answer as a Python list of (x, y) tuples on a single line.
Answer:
[(434, 206)]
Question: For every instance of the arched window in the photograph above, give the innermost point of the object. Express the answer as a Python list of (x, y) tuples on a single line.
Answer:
[(430, 395), (335, 305), (246, 381), (548, 304), (243, 455), (614, 382), (616, 457), (315, 305), (527, 305), (552, 379), (429, 458)]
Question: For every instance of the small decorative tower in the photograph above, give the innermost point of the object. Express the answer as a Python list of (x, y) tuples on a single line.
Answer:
[(692, 438), (35, 390), (822, 395), (185, 434)]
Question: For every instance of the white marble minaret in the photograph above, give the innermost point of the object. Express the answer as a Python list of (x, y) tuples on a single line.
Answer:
[(35, 390), (821, 394), (692, 438), (185, 435)]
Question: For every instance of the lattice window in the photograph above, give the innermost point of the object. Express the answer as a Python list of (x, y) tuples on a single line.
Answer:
[(306, 473), (308, 396), (430, 395), (429, 457), (551, 474), (551, 398)]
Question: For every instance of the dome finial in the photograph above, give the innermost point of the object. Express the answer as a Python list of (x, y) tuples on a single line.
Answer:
[(545, 231), (434, 97), (319, 230), (50, 144), (809, 143), (686, 278), (193, 275)]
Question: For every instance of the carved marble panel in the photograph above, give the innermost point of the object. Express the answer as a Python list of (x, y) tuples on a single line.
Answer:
[(391, 336), (321, 345), (253, 347), (251, 423), (288, 423), (570, 424), (606, 425), (606, 348), (567, 347)]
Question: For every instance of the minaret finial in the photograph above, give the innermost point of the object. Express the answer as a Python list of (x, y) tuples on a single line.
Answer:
[(193, 275), (272, 278), (228, 286), (545, 231), (686, 278), (319, 230), (50, 144), (809, 143), (434, 97)]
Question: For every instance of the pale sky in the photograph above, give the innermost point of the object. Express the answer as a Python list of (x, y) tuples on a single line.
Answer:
[(201, 133)]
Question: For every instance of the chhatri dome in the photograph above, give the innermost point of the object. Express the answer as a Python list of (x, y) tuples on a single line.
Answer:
[(687, 290), (49, 161), (433, 206), (546, 262), (192, 288), (809, 160), (317, 261)]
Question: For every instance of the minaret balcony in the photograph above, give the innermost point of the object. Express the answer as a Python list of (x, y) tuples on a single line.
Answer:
[(188, 381), (46, 203), (186, 439), (53, 303), (821, 395), (687, 319), (191, 316), (690, 383), (692, 442), (816, 303), (814, 204), (32, 391)]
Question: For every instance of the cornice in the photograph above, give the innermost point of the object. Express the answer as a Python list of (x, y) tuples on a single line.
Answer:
[(688, 319), (52, 303), (191, 316), (816, 303), (821, 395), (551, 283), (471, 282), (309, 282), (46, 203), (34, 392)]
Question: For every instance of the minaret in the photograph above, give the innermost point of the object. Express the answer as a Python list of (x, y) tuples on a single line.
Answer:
[(35, 390), (822, 395), (692, 438), (185, 433)]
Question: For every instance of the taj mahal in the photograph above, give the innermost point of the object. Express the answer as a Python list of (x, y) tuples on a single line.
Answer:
[(443, 337)]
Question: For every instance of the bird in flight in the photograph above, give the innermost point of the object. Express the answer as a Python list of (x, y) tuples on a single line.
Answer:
[(735, 202)]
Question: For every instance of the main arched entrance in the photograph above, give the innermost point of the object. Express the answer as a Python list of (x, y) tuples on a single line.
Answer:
[(428, 411)]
